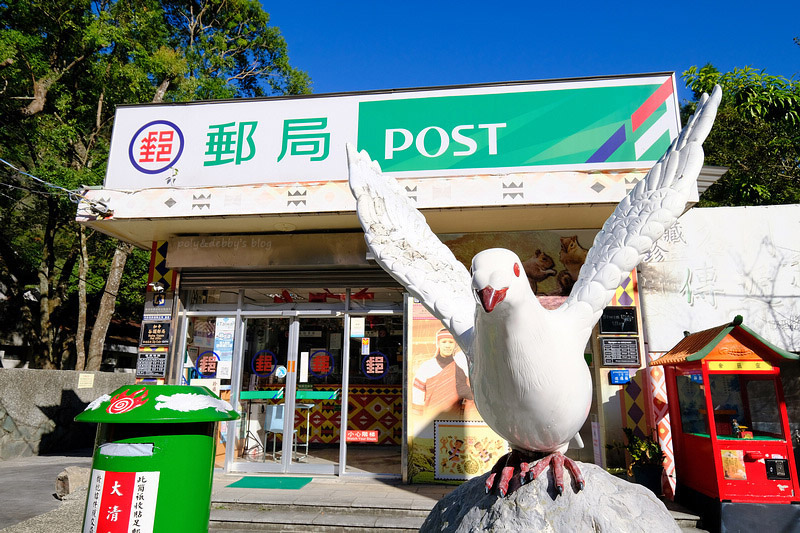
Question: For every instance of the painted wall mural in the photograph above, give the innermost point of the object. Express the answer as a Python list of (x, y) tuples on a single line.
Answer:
[(551, 259)]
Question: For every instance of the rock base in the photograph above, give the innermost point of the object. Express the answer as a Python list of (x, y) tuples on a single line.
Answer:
[(70, 479), (607, 504)]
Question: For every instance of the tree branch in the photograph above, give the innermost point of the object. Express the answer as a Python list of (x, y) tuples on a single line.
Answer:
[(42, 87)]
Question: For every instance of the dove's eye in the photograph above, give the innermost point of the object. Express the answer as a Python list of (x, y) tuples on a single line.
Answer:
[(516, 269)]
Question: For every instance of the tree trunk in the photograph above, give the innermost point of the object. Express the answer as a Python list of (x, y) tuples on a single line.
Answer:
[(161, 91), (44, 357), (107, 303), (83, 271)]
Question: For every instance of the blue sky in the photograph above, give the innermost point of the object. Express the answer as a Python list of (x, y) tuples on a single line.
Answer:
[(356, 46)]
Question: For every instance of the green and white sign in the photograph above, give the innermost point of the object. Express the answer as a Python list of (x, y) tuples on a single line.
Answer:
[(507, 130), (610, 123)]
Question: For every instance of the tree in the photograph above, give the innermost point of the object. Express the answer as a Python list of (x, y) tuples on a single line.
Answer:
[(64, 66), (756, 135)]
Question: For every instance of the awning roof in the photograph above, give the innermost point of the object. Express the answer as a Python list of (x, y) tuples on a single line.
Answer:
[(696, 346), (552, 201)]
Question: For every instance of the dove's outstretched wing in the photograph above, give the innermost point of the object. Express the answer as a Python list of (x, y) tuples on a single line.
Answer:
[(643, 216), (404, 245)]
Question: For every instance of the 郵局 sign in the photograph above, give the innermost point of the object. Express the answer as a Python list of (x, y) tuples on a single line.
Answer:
[(362, 435), (567, 125)]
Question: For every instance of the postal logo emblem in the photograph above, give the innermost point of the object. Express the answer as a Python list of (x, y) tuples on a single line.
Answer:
[(156, 147)]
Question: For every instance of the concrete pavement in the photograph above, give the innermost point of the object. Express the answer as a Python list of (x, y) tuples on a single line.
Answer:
[(28, 504), (27, 485)]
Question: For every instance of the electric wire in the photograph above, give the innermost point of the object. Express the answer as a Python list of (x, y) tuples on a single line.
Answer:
[(74, 196)]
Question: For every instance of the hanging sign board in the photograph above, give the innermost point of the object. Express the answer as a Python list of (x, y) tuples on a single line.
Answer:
[(155, 334), (619, 321), (151, 365), (157, 307), (620, 352)]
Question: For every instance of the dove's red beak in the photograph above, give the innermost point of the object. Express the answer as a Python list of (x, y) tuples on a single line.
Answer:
[(490, 297)]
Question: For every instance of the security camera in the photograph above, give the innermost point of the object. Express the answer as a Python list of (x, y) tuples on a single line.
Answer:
[(157, 287)]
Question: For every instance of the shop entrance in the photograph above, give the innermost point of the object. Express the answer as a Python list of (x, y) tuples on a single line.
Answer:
[(293, 368), (316, 374)]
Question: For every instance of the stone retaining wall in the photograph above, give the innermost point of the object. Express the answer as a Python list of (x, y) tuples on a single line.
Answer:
[(37, 408)]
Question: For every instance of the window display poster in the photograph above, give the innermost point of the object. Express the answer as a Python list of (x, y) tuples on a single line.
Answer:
[(438, 379), (223, 337), (202, 332)]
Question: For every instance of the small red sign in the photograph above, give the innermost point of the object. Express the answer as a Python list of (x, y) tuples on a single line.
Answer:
[(362, 435)]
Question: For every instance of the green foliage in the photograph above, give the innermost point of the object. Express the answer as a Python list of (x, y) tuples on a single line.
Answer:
[(64, 67), (642, 451), (756, 135)]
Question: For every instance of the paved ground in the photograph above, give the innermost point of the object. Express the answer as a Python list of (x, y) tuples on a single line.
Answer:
[(28, 504), (27, 485)]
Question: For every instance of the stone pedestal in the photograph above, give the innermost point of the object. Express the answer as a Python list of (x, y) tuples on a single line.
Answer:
[(607, 504)]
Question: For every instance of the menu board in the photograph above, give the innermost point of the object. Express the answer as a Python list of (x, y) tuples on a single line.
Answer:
[(620, 352)]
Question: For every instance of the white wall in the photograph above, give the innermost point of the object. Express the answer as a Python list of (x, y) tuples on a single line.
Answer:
[(722, 262)]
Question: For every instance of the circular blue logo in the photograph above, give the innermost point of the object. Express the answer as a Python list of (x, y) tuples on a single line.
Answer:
[(320, 364), (206, 364), (263, 363), (375, 365), (156, 146)]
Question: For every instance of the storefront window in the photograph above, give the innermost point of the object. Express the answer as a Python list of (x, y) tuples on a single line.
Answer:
[(212, 297), (726, 397), (381, 361), (297, 359), (762, 406), (745, 405), (266, 348), (692, 403), (384, 298), (209, 347)]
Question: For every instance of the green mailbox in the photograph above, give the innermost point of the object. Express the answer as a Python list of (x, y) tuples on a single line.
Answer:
[(153, 460)]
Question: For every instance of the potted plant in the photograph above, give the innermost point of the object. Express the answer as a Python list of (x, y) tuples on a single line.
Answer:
[(646, 460)]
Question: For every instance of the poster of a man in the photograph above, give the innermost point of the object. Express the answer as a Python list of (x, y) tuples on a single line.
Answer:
[(441, 383), (447, 437)]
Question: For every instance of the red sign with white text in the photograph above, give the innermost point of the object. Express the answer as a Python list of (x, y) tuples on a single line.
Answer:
[(121, 502), (362, 435)]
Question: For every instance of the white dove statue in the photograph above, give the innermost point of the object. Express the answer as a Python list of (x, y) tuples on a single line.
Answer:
[(526, 367)]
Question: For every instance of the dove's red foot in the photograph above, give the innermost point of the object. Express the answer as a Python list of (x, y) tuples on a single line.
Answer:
[(514, 469), (508, 474), (557, 461)]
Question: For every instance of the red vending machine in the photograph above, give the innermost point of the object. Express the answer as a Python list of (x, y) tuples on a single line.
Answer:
[(733, 451)]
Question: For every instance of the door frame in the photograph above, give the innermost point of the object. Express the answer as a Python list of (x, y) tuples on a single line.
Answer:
[(236, 310), (286, 464)]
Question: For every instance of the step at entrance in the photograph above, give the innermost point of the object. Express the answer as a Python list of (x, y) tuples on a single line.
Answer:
[(231, 517)]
